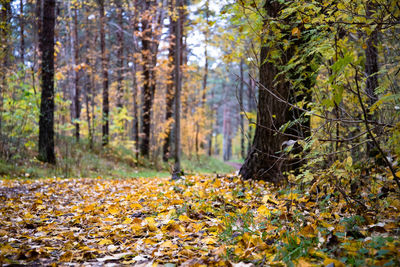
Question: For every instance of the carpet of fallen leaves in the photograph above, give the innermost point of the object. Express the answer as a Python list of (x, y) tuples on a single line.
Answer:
[(196, 221)]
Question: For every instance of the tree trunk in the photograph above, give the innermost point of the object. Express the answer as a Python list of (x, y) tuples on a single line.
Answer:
[(88, 80), (241, 89), (178, 88), (227, 131), (170, 92), (135, 89), (104, 66), (77, 94), (22, 31), (251, 107), (371, 70), (5, 20), (264, 161), (147, 88), (46, 119), (120, 53)]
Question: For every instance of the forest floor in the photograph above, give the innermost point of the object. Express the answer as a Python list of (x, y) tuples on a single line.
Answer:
[(196, 221)]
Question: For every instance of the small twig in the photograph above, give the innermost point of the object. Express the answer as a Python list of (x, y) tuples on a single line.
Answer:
[(397, 180)]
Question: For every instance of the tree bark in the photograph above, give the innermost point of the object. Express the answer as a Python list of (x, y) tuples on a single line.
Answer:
[(77, 93), (371, 70), (5, 20), (104, 66), (178, 87), (120, 53), (46, 118), (241, 89), (170, 92), (148, 95), (264, 161), (22, 31)]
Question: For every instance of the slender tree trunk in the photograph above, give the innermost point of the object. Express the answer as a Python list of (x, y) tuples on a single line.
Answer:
[(88, 79), (135, 110), (104, 66), (46, 119), (251, 107), (241, 89), (210, 137), (178, 88), (77, 93), (371, 70), (22, 31), (120, 53), (147, 88), (5, 52), (170, 92)]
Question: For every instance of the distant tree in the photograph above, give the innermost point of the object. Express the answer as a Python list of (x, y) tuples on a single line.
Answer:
[(46, 119), (178, 89), (120, 52), (170, 88), (5, 19), (152, 21), (104, 66)]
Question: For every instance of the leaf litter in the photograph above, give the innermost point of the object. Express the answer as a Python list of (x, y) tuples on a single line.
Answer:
[(195, 221)]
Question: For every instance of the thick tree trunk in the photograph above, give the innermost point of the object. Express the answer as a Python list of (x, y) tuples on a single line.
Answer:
[(104, 66), (264, 161), (46, 119)]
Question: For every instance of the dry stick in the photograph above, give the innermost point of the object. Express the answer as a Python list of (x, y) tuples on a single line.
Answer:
[(371, 134)]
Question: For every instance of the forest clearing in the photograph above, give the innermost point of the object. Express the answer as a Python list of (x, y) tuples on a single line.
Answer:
[(200, 133)]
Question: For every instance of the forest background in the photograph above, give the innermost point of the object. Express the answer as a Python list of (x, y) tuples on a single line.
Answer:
[(302, 94)]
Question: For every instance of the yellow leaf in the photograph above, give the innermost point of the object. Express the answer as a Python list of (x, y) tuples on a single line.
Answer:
[(105, 242), (169, 245), (308, 231), (184, 218), (27, 215), (136, 206), (209, 241), (296, 31), (269, 199), (151, 224), (113, 210), (89, 208), (364, 46), (264, 211), (127, 221)]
